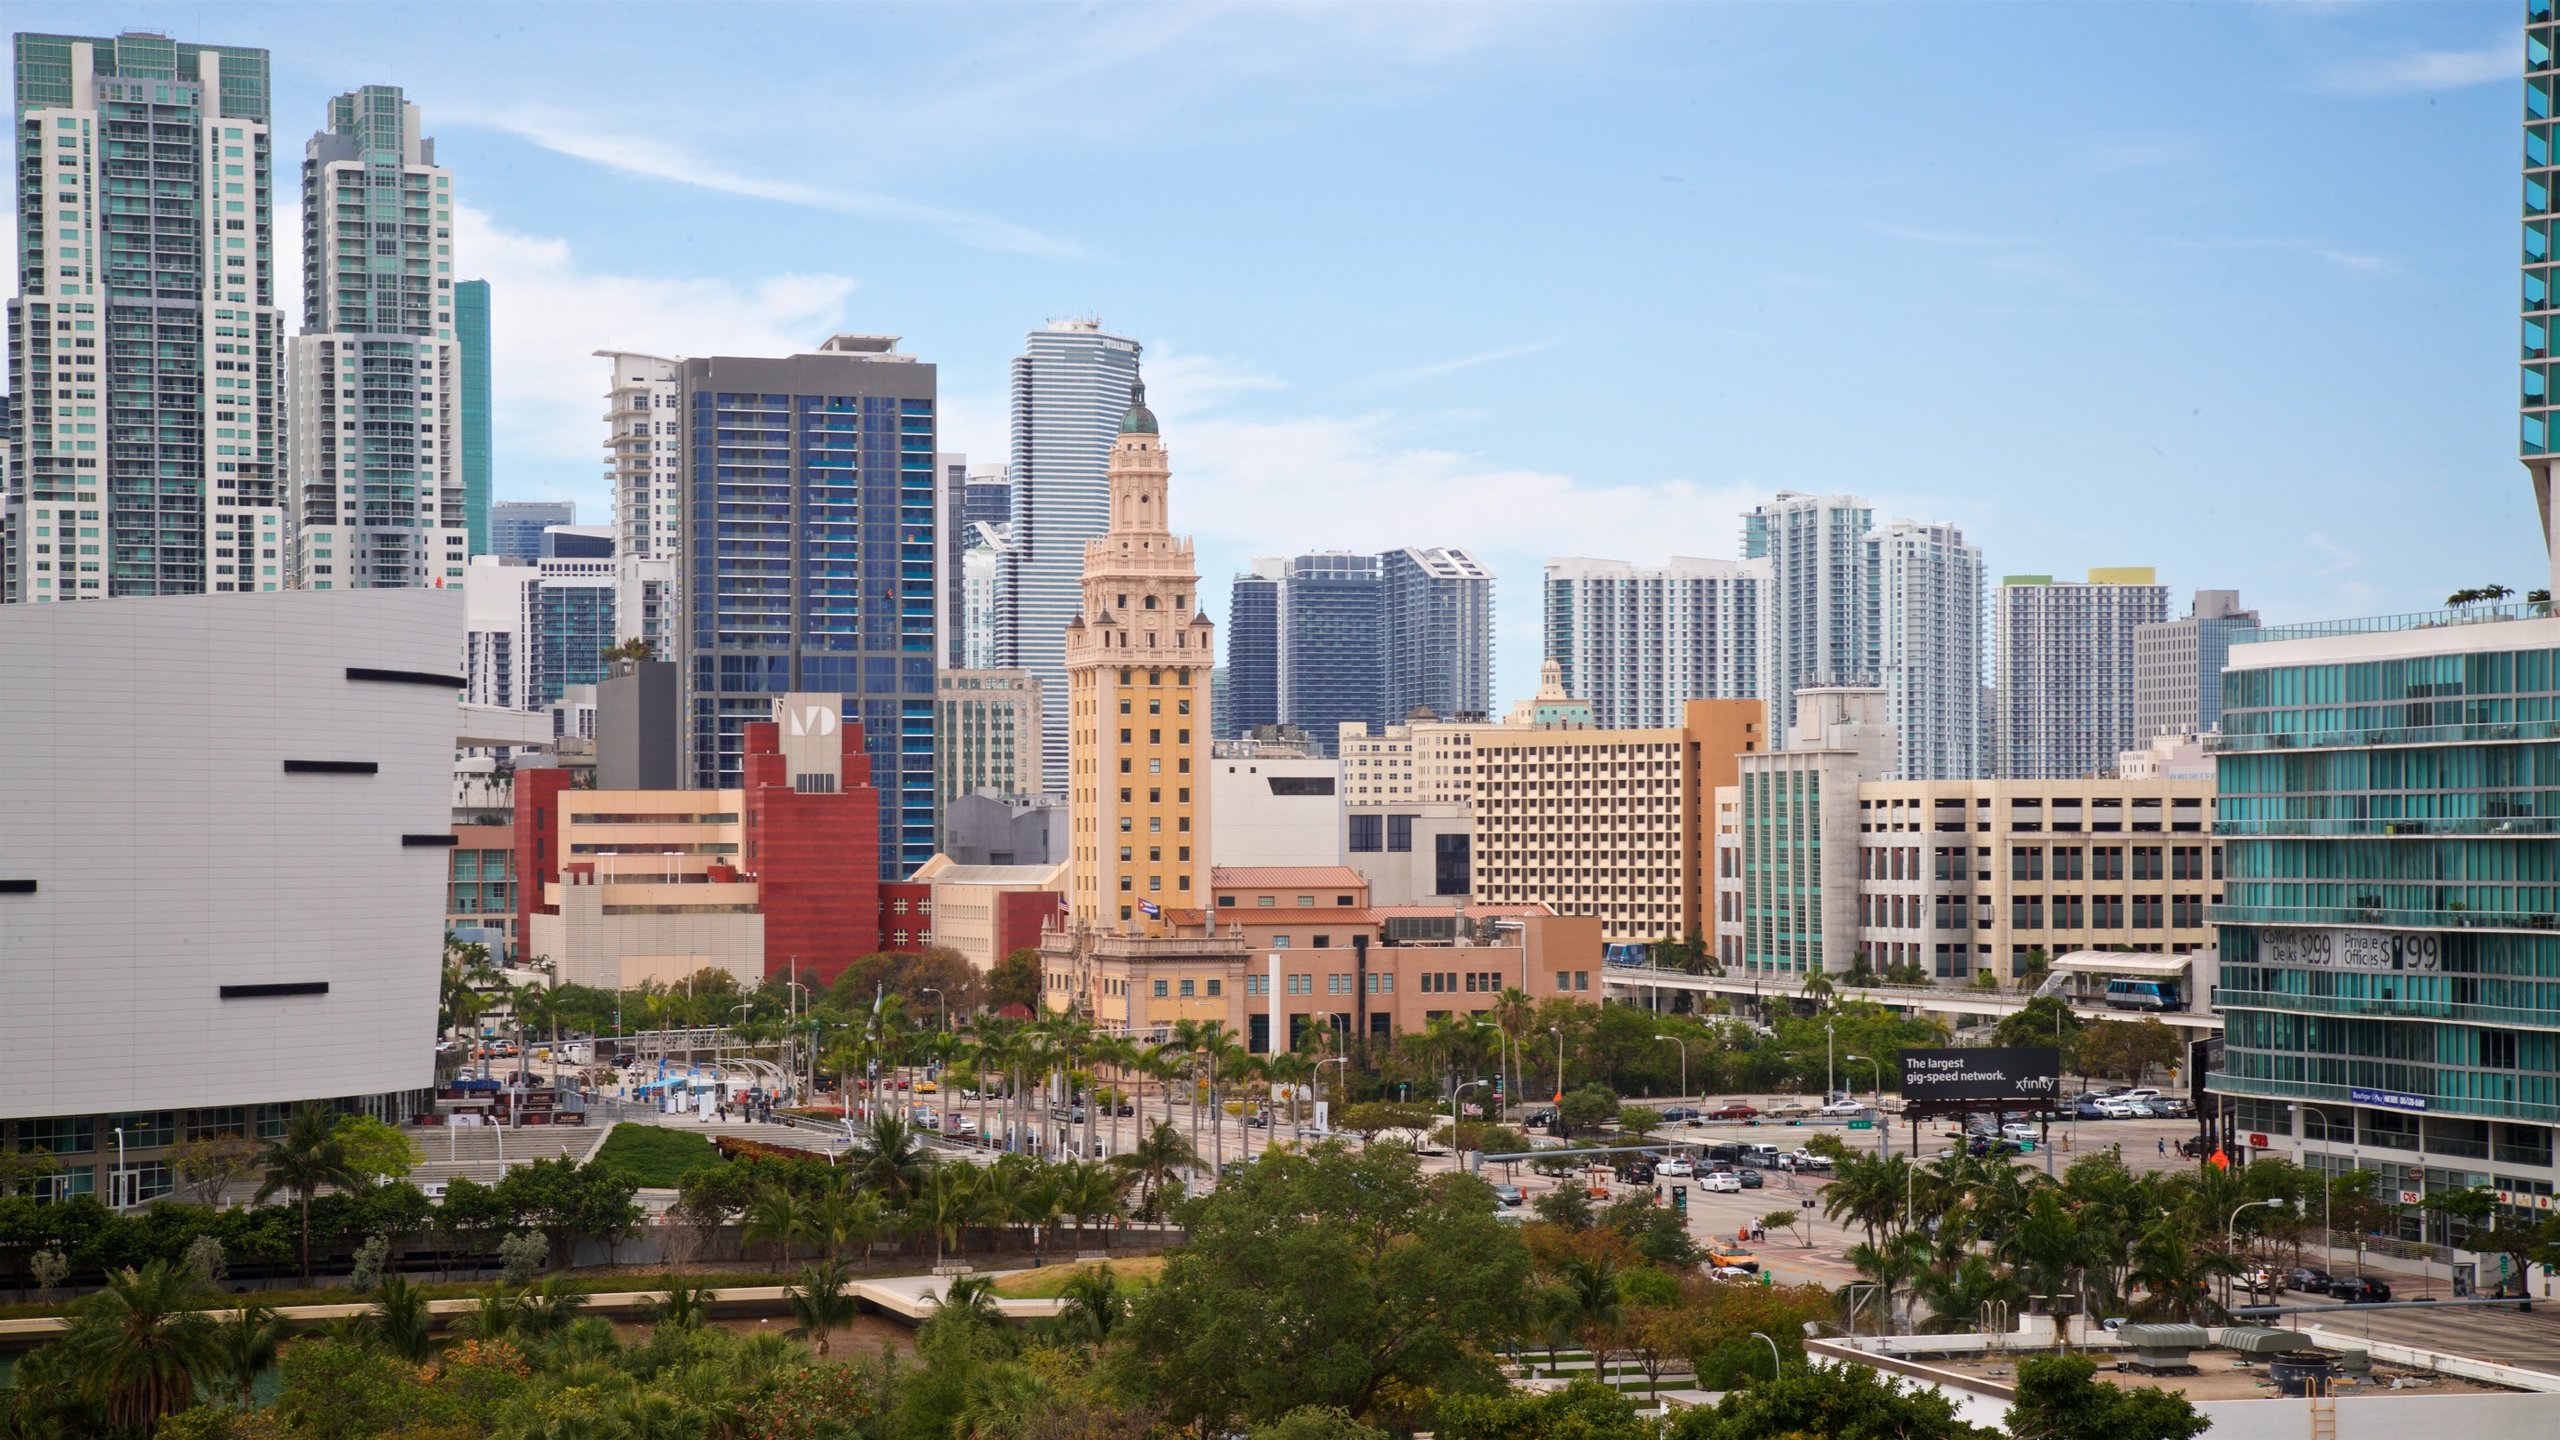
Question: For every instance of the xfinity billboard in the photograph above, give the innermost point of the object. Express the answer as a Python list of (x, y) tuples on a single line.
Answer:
[(1985, 1075)]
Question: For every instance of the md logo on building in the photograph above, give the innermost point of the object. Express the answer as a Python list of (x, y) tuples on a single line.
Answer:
[(802, 721)]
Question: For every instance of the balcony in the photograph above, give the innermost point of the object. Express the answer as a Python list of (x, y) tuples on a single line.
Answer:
[(2226, 998), (2227, 1084), (2382, 916)]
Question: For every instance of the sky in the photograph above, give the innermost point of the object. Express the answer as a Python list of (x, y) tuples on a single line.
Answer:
[(2225, 289)]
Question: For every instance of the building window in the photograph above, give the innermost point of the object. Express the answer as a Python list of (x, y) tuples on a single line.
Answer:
[(1564, 980), (1581, 979), (1265, 901), (1387, 984), (1162, 987), (1400, 834), (1214, 986), (1366, 836), (1186, 989)]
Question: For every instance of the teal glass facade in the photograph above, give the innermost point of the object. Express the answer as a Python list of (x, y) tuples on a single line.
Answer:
[(471, 331), (1782, 870), (2390, 932)]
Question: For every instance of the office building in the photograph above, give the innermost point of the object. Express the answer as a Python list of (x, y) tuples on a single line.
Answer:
[(1253, 650), (532, 632), (981, 595), (480, 887), (223, 832), (1799, 823), (1408, 795), (1070, 386), (986, 912), (516, 526), (1928, 642), (639, 728), (1607, 823), (2177, 666), (986, 734), (951, 470), (1274, 805), (1637, 643), (471, 334), (773, 876), (149, 465), (644, 451), (987, 498), (1436, 631), (2387, 950), (2065, 678), (985, 828), (1332, 665), (376, 374), (811, 561), (1816, 600)]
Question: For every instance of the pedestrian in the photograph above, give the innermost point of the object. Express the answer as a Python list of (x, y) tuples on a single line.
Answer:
[(2164, 1147)]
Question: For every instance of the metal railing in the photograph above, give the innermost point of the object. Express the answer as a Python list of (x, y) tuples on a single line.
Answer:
[(2387, 624)]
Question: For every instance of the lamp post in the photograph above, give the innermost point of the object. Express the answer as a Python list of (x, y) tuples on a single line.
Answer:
[(1684, 1062), (940, 999), (1879, 1120), (1318, 1077), (1455, 1149), (123, 1181), (1777, 1367), (2328, 1185), (1830, 1065), (1502, 1060), (1558, 1032), (2231, 1228)]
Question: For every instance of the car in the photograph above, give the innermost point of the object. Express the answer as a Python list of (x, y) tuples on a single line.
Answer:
[(1678, 1167), (2142, 1093), (2359, 1290), (1764, 1156), (1733, 1110), (1733, 1257), (1805, 1160), (1724, 1154), (1729, 1272), (1723, 1182), (2112, 1108), (1540, 1117), (926, 1119), (2309, 1279), (1846, 1108), (928, 1087), (1676, 1114), (1636, 1172), (434, 1191), (2263, 1279), (1509, 1196), (1751, 1179), (2016, 1131)]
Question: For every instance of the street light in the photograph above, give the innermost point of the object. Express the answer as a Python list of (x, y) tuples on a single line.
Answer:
[(1684, 1062), (1455, 1149), (1777, 1367), (122, 1179), (1318, 1078), (1502, 1059), (2231, 1228), (1879, 1120), (936, 993), (1558, 1032), (1830, 1080)]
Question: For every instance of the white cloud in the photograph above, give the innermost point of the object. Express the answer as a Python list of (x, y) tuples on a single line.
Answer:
[(549, 313), (658, 158), (2420, 71), (1467, 362)]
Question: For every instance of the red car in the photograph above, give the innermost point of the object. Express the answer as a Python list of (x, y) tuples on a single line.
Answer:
[(1736, 1110)]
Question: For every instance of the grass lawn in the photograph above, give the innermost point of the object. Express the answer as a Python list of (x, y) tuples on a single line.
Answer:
[(1050, 1281), (655, 1155)]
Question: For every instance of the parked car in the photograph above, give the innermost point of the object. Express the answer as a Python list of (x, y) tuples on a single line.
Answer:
[(1540, 1117), (2025, 1134), (1850, 1108), (1509, 1196), (2309, 1279), (2112, 1108), (1723, 1182), (1724, 1255), (2263, 1279), (1678, 1167), (2359, 1290), (1677, 1114), (1751, 1179), (1733, 1110)]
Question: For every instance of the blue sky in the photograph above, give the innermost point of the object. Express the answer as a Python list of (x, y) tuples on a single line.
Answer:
[(2225, 289)]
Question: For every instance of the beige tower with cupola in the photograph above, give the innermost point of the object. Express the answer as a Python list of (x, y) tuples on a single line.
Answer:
[(1139, 655)]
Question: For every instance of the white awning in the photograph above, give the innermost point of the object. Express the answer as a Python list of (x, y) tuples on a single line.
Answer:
[(2113, 962)]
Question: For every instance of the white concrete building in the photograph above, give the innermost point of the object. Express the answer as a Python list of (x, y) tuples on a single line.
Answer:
[(2065, 677), (641, 454), (1267, 808), (376, 419), (2178, 665), (224, 822), (981, 592), (1636, 641), (1799, 821), (1928, 613)]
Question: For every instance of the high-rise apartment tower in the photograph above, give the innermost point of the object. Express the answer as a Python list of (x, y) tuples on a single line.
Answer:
[(1639, 642), (144, 344), (2063, 705)]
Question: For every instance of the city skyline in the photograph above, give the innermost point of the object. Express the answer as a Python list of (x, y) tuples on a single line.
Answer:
[(2204, 274)]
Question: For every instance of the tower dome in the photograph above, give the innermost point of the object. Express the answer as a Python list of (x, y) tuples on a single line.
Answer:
[(1140, 420)]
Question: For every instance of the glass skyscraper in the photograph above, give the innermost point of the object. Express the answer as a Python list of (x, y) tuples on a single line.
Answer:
[(1070, 387), (1436, 613), (471, 329), (1253, 650), (144, 343), (516, 526), (811, 559)]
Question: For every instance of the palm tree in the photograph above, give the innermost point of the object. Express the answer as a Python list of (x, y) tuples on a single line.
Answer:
[(2176, 1273), (2048, 1249), (844, 1216), (1089, 1190), (547, 1309), (1155, 1160), (777, 1217), (969, 1299), (1597, 1313), (401, 1320), (246, 1346), (1296, 1071), (1957, 1293), (1093, 1304), (819, 1305), (139, 1346), (494, 1317), (685, 1305), (307, 1156), (950, 1201), (890, 1158), (1869, 1189)]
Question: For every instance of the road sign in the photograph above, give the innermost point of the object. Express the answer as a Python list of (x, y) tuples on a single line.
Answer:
[(1862, 1124)]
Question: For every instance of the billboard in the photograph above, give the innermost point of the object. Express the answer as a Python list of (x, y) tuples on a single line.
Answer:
[(1982, 1075)]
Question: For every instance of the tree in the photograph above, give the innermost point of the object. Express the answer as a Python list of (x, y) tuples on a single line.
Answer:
[(1638, 1121), (1587, 1107), (1326, 1279), (1582, 1410), (302, 1160), (246, 1345), (1784, 1220), (1015, 980), (889, 1157), (820, 1305), (1155, 1161), (1316, 1422), (401, 1320), (776, 1217), (1093, 1305), (211, 1165), (2128, 1049), (376, 1152), (1836, 1402), (2059, 1398), (140, 1346)]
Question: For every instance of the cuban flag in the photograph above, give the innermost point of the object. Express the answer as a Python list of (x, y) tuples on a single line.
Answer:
[(1151, 909)]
